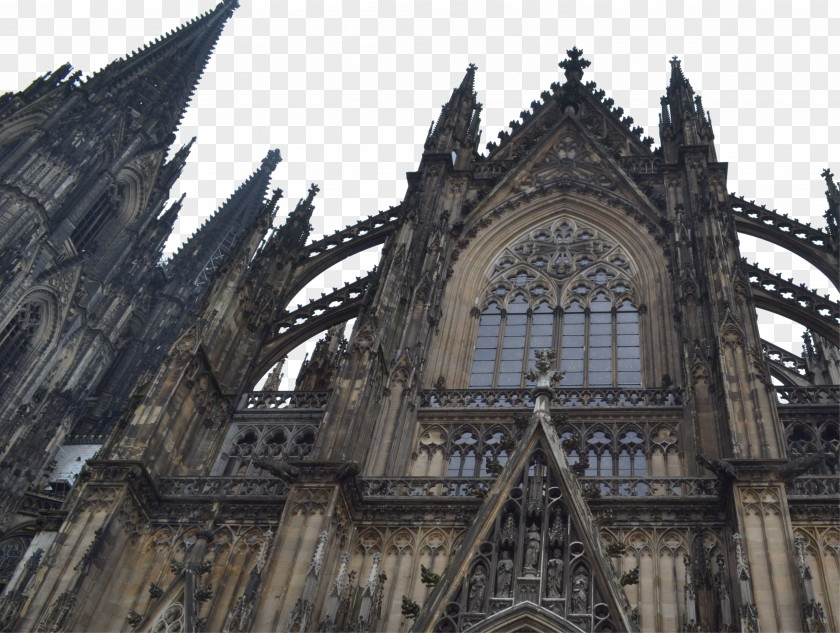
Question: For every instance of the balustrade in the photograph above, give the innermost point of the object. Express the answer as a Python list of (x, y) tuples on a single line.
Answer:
[(478, 486), (571, 397), (814, 486), (826, 394), (203, 487), (283, 400)]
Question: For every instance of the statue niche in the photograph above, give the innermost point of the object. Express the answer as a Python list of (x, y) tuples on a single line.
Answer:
[(527, 559)]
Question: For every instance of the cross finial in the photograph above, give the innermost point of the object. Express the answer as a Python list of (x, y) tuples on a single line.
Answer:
[(575, 64)]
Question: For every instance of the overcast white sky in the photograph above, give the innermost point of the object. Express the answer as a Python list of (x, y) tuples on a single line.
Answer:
[(347, 90)]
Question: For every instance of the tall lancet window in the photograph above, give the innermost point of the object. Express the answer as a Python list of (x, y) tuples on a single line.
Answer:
[(564, 286), (94, 220), (18, 338)]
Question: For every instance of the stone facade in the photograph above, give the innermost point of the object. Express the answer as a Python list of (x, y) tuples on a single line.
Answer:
[(554, 411)]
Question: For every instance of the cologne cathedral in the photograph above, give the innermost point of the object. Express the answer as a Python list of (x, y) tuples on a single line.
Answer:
[(554, 411)]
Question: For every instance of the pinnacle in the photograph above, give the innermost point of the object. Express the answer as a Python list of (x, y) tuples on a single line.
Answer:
[(468, 83), (676, 71)]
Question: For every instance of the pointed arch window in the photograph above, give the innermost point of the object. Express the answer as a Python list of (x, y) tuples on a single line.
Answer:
[(94, 220), (567, 287), (19, 337)]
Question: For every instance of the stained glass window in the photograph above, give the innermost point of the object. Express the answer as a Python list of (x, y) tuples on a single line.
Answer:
[(564, 287)]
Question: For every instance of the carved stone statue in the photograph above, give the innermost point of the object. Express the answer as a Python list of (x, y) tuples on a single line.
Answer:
[(477, 585), (580, 592), (504, 574), (554, 580), (532, 549)]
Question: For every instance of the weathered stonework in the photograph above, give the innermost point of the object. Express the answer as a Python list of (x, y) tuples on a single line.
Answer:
[(645, 474)]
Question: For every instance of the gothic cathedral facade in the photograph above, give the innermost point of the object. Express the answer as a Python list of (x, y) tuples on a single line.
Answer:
[(554, 411)]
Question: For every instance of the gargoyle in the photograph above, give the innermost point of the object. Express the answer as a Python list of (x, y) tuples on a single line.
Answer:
[(428, 577), (284, 471), (347, 471), (800, 465), (723, 469)]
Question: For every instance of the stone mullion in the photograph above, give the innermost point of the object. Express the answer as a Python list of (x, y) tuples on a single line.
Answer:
[(557, 336), (71, 576), (295, 544), (219, 578), (529, 318), (395, 406), (587, 314), (501, 338), (614, 344), (763, 551)]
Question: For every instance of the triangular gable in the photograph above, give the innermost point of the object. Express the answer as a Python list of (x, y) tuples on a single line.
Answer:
[(533, 546), (580, 100), (568, 151)]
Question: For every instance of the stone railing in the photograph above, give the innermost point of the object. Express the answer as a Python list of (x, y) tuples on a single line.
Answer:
[(283, 400), (814, 486), (212, 487), (423, 487), (36, 502), (827, 394), (654, 486), (477, 486), (492, 168), (569, 397), (640, 164)]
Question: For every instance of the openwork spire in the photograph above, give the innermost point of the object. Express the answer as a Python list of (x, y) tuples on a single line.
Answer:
[(156, 82)]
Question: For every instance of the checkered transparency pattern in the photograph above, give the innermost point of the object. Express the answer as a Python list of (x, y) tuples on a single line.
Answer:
[(347, 91)]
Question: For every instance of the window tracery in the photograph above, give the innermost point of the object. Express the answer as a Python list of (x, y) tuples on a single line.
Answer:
[(171, 620), (470, 452), (808, 438), (11, 552), (245, 442), (94, 220), (563, 286), (620, 449), (19, 337)]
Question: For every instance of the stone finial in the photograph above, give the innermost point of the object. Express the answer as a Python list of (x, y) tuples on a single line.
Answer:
[(801, 557), (574, 65), (741, 564), (318, 556), (543, 372), (263, 553)]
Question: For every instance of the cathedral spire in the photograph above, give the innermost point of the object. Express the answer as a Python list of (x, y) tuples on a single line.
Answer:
[(683, 121), (200, 255), (457, 126), (156, 82)]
